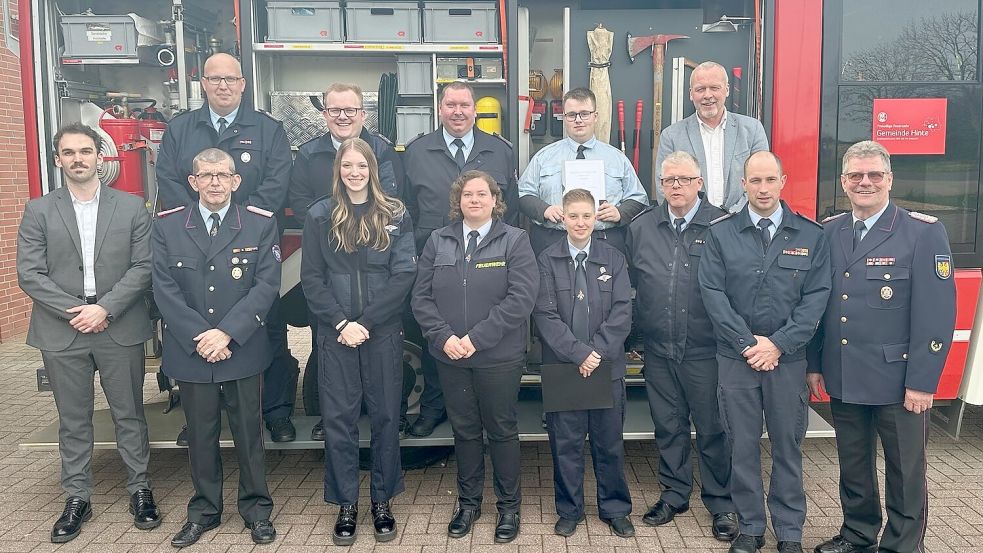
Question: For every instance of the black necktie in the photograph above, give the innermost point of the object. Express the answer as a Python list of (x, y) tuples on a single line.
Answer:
[(763, 224), (222, 125), (213, 230), (472, 244), (459, 155), (581, 314), (679, 222), (580, 151), (858, 233)]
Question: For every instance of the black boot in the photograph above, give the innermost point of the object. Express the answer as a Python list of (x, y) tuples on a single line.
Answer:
[(344, 526), (383, 520)]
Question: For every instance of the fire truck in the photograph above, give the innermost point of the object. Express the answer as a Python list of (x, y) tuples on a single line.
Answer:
[(820, 75)]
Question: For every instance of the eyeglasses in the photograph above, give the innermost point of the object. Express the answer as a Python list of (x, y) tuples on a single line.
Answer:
[(683, 181), (224, 178), (857, 176), (573, 115), (229, 81), (336, 112)]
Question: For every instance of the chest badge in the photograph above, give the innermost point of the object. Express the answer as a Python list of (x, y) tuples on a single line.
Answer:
[(246, 157), (235, 260), (580, 295), (935, 346), (236, 273), (887, 293), (604, 278), (603, 270)]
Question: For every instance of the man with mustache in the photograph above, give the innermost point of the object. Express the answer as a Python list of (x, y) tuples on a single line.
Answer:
[(83, 256), (261, 151), (720, 140)]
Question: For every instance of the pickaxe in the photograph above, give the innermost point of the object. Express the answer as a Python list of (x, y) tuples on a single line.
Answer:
[(637, 45)]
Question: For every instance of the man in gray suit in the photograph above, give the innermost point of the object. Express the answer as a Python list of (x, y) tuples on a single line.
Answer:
[(83, 256), (721, 140)]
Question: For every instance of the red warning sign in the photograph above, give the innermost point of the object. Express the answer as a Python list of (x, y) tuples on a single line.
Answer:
[(910, 125)]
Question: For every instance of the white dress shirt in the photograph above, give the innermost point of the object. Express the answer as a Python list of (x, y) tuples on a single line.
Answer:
[(85, 217), (713, 147)]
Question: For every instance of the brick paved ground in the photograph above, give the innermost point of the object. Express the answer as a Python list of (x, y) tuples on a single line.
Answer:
[(30, 497)]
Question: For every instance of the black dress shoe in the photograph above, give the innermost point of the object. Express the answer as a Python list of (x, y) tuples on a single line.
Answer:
[(747, 544), (145, 513), (344, 525), (789, 547), (262, 531), (190, 533), (69, 524), (662, 513), (282, 430), (566, 527), (317, 433), (507, 528), (383, 521), (460, 524), (725, 526), (621, 526), (839, 545), (423, 426), (182, 437)]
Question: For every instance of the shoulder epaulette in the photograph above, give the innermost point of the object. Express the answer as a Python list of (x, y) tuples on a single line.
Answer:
[(723, 217), (385, 138), (259, 211), (412, 140), (925, 218), (643, 212), (502, 138), (169, 211), (833, 217), (809, 219)]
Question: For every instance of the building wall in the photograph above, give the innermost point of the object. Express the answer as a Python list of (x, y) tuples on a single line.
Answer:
[(15, 307)]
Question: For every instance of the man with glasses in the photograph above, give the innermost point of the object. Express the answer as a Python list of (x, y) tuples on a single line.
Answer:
[(764, 277), (541, 187), (880, 351), (720, 140), (310, 179), (433, 162), (261, 151), (216, 272), (665, 244)]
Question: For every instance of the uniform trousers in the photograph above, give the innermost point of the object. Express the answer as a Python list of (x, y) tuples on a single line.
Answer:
[(71, 373), (484, 398), (567, 431), (203, 403), (280, 378), (903, 436), (676, 392), (541, 237), (347, 377), (782, 396)]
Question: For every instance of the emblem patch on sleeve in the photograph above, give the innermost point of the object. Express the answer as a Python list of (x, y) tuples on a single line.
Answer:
[(943, 266), (276, 252)]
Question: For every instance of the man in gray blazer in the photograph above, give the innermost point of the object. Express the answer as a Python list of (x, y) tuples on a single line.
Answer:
[(721, 140), (83, 256)]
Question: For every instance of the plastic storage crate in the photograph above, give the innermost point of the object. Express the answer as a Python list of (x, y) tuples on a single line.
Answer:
[(460, 22), (411, 121), (107, 36), (415, 75), (304, 21), (393, 21)]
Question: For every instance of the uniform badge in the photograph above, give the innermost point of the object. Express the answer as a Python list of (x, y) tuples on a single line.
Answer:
[(604, 278), (236, 273), (603, 270), (935, 346), (235, 260), (580, 295), (887, 293), (276, 252), (391, 228), (245, 157), (943, 266)]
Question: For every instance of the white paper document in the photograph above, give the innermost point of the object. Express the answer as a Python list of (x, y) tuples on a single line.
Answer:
[(587, 174)]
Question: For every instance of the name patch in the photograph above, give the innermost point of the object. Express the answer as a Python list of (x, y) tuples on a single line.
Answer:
[(489, 264)]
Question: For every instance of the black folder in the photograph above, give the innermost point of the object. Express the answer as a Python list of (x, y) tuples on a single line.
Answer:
[(564, 389)]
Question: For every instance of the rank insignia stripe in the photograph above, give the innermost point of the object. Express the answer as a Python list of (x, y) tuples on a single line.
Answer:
[(943, 266)]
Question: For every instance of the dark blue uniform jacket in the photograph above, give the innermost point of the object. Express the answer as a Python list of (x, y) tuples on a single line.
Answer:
[(609, 301), (891, 314)]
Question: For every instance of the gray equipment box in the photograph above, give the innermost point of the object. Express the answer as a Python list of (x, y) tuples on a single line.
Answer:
[(394, 21), (415, 75), (460, 22), (304, 21), (89, 36), (411, 121)]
